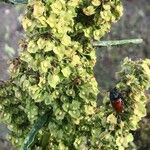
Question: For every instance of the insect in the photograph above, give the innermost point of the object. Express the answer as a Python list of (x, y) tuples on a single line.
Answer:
[(116, 100)]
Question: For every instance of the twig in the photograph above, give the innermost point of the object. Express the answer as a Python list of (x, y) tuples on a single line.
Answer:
[(15, 1), (116, 42)]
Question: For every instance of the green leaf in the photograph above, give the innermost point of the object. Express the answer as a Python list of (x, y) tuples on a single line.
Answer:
[(66, 40), (56, 7), (59, 114), (75, 60), (90, 10), (59, 51), (93, 55), (26, 23), (112, 119), (70, 92), (89, 110), (121, 148), (49, 46), (107, 7), (61, 146), (66, 71), (53, 80), (41, 43), (75, 105), (96, 2), (44, 65), (119, 10), (130, 137), (74, 113), (37, 126), (118, 141), (38, 9), (65, 106), (52, 20)]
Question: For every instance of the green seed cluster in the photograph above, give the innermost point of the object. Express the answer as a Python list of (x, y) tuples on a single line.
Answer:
[(55, 72), (134, 79)]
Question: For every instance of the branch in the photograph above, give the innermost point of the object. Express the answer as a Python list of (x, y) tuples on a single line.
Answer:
[(15, 1), (117, 42)]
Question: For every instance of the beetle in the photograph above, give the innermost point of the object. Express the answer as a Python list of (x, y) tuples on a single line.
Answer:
[(116, 100)]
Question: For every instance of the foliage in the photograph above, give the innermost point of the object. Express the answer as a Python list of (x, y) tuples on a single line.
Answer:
[(54, 75), (142, 134)]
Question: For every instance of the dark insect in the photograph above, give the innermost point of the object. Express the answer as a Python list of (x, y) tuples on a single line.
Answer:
[(116, 100)]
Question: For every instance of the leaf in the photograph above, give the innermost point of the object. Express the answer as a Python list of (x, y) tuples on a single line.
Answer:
[(53, 80), (87, 31), (89, 110), (41, 43), (26, 23), (119, 9), (32, 47), (66, 40), (121, 148), (49, 46), (106, 15), (75, 105), (37, 126), (107, 7), (42, 20), (61, 146), (65, 106), (112, 119), (59, 114), (129, 137), (74, 113), (118, 141), (44, 66), (66, 71), (56, 7), (133, 122), (52, 20), (71, 93), (92, 54), (26, 56), (90, 10), (75, 60), (98, 34), (96, 2), (59, 51), (32, 111), (38, 9)]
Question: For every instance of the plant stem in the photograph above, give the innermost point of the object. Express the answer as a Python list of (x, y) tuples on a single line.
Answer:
[(117, 42), (15, 1)]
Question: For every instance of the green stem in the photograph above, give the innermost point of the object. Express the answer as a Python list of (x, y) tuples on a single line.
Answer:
[(15, 1), (117, 42)]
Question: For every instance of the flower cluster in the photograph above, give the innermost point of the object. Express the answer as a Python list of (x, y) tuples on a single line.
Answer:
[(55, 72)]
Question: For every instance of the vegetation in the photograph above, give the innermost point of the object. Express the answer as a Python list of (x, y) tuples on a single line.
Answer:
[(53, 80)]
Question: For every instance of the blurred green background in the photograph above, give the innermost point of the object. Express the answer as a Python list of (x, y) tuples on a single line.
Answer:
[(134, 24)]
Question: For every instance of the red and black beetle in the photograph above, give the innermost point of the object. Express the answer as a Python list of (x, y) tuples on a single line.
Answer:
[(116, 100)]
